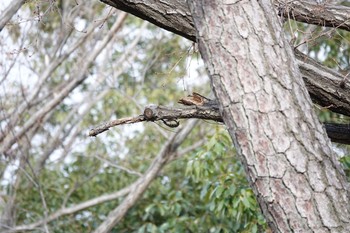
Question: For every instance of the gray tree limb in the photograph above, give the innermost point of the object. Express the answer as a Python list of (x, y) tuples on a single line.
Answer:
[(77, 79), (339, 133), (310, 12), (12, 8), (70, 210)]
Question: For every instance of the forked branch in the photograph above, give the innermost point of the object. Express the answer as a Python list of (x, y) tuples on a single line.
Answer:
[(209, 110)]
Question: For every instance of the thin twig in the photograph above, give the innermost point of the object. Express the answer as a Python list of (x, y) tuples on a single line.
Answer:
[(122, 121)]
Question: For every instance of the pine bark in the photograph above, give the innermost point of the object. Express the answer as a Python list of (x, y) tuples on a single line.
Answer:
[(298, 182)]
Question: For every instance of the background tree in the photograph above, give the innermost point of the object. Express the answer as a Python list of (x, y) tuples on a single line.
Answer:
[(104, 65)]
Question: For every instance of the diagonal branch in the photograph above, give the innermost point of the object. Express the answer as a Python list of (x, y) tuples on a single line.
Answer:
[(164, 156), (70, 210), (326, 87), (9, 12), (118, 194), (10, 139)]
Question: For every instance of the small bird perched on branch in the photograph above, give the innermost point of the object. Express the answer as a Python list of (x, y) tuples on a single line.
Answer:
[(197, 100)]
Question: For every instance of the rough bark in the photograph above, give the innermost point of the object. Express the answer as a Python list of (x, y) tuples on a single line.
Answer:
[(322, 83), (326, 87), (269, 115), (311, 12), (171, 15)]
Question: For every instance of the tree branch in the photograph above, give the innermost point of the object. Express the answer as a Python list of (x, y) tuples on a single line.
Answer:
[(12, 8), (326, 87), (10, 139), (339, 133), (125, 191), (172, 15), (74, 209), (143, 182), (325, 15), (159, 113)]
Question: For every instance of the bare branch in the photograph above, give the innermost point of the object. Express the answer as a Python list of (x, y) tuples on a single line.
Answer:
[(9, 12), (167, 154), (127, 170), (106, 126), (75, 208), (310, 12), (158, 113), (339, 133), (80, 77)]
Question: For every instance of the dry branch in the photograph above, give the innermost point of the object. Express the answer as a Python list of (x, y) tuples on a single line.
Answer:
[(160, 113), (73, 209), (106, 126), (77, 79), (12, 8), (339, 133)]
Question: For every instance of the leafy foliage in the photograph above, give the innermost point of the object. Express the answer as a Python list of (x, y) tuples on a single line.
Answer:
[(212, 195)]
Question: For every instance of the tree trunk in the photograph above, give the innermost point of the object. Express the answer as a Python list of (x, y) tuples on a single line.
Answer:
[(267, 110)]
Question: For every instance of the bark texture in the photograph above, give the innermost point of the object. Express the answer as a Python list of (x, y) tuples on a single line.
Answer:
[(324, 85), (164, 14), (269, 115)]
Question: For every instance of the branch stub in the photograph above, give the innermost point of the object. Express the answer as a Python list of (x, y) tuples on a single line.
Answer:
[(149, 113)]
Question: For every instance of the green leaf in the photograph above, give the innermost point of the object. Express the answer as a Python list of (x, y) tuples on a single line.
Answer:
[(254, 228), (213, 192), (219, 191), (220, 205), (212, 206), (204, 191), (232, 190), (245, 201)]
